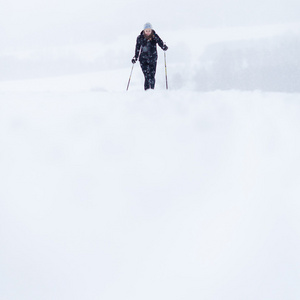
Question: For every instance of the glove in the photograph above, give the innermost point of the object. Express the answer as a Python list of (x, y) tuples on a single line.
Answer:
[(165, 47), (134, 60)]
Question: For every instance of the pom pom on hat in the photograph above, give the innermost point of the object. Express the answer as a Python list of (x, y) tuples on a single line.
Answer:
[(148, 26)]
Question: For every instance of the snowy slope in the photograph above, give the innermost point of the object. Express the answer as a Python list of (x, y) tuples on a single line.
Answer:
[(147, 195)]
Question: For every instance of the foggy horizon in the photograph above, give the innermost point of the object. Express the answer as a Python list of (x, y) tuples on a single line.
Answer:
[(31, 23)]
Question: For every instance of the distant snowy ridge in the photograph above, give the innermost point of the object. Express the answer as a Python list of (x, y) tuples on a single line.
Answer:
[(246, 58)]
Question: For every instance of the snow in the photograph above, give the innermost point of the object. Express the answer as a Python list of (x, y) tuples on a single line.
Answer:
[(165, 194), (190, 193)]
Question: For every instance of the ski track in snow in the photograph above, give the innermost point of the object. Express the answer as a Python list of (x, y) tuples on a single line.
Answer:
[(143, 195)]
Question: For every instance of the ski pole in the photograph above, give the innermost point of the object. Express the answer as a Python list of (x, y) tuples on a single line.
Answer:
[(166, 70), (130, 77)]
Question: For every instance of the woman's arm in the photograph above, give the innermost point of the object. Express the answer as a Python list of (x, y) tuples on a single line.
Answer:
[(159, 40), (137, 47)]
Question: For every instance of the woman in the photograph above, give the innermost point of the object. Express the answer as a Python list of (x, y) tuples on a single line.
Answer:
[(146, 53)]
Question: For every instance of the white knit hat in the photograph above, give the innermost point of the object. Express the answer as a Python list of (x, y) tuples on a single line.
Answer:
[(148, 25)]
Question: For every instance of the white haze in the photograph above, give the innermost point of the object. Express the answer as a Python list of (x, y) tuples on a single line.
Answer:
[(207, 40), (32, 22), (191, 193)]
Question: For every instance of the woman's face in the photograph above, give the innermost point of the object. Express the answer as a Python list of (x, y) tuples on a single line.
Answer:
[(148, 31)]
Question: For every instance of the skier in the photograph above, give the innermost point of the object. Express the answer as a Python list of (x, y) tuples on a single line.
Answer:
[(146, 53)]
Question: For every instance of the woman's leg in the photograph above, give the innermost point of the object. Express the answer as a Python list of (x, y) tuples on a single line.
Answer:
[(149, 70), (146, 71), (152, 71)]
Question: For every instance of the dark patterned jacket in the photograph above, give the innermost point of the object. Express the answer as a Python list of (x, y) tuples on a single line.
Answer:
[(146, 50)]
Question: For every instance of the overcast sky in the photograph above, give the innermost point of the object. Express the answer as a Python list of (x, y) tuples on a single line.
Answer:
[(51, 22)]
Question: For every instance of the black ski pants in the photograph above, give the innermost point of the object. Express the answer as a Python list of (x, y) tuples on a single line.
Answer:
[(149, 70)]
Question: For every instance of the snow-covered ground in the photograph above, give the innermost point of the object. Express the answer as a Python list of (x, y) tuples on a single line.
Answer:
[(143, 195), (191, 193)]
